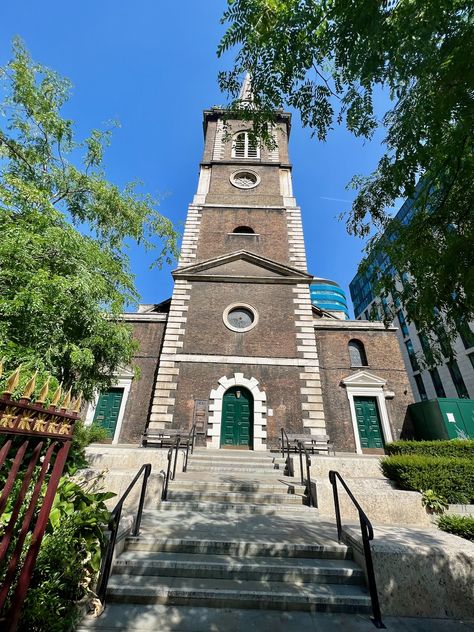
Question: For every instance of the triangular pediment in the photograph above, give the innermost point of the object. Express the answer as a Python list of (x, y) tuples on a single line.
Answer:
[(241, 265), (364, 378)]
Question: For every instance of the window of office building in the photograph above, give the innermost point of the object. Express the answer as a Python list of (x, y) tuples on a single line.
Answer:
[(403, 324), (457, 379), (467, 335), (412, 355), (437, 383), (421, 387)]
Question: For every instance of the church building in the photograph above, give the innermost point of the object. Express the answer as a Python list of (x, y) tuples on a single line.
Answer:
[(239, 349)]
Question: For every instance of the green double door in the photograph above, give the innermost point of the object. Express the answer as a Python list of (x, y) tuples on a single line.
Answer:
[(237, 418), (368, 422), (107, 410)]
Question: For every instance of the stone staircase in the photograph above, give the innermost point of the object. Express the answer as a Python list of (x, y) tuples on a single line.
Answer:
[(234, 533)]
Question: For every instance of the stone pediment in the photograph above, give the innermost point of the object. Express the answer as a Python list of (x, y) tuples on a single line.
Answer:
[(364, 378), (242, 266)]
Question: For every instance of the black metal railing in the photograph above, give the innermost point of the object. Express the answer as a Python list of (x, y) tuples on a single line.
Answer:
[(189, 445), (367, 532), (285, 447), (310, 491), (114, 524), (171, 468)]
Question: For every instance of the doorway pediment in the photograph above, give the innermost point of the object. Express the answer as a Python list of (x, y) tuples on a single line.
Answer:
[(364, 379)]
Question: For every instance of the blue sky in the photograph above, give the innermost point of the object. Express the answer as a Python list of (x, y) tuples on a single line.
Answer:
[(153, 66)]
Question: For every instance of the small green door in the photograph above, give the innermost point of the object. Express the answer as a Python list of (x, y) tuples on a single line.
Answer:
[(237, 418), (107, 411), (368, 422)]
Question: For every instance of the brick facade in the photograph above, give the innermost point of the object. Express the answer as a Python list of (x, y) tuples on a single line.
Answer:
[(384, 360), (299, 380)]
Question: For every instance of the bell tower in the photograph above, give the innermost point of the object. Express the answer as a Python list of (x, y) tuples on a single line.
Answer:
[(239, 342)]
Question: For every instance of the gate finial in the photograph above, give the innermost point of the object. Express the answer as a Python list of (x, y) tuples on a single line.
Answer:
[(30, 387), (13, 381)]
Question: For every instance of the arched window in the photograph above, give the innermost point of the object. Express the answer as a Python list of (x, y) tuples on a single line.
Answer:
[(244, 229), (357, 353), (245, 147)]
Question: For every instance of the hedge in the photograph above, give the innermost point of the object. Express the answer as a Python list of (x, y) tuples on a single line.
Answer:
[(452, 478), (463, 526), (456, 448)]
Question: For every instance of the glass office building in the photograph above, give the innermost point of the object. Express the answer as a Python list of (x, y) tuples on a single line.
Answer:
[(330, 297), (452, 378)]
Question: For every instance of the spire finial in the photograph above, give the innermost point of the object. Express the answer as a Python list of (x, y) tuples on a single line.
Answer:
[(246, 94)]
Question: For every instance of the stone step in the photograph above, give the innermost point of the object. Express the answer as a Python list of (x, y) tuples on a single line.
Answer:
[(233, 508), (223, 496), (239, 548), (280, 486), (233, 469), (238, 457), (157, 618), (238, 594), (268, 569)]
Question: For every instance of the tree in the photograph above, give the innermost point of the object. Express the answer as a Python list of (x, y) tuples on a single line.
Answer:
[(325, 58), (64, 274)]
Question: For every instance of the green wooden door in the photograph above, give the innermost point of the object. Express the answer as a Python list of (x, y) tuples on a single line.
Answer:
[(107, 411), (368, 422), (237, 418)]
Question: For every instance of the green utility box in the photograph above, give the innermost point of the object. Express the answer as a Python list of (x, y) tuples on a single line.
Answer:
[(443, 418)]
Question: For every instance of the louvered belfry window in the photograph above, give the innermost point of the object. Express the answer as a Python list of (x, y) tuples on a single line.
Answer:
[(244, 146)]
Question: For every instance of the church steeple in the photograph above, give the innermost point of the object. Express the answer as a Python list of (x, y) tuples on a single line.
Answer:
[(242, 261)]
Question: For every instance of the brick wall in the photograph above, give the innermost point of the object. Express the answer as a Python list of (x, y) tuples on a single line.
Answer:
[(281, 385), (384, 360), (275, 334), (217, 225), (149, 336)]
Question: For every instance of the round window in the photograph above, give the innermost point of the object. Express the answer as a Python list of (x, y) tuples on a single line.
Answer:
[(245, 179), (240, 317)]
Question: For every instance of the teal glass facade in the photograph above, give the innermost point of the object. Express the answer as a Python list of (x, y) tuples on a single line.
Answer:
[(327, 295)]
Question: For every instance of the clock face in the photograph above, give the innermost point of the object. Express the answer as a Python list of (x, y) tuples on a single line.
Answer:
[(240, 318)]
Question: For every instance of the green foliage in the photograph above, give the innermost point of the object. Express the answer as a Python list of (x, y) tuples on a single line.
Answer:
[(434, 502), (452, 478), (82, 437), (69, 559), (326, 59), (463, 526), (455, 448), (64, 272)]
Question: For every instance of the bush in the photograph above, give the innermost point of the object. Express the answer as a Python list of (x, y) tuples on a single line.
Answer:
[(455, 448), (463, 526), (451, 478), (69, 559)]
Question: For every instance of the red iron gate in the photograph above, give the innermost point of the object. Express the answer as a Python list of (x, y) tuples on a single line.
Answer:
[(35, 440)]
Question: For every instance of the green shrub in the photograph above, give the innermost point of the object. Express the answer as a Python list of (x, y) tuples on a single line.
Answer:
[(463, 526), (456, 448), (451, 478)]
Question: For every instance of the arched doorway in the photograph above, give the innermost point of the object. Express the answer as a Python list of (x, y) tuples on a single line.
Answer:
[(237, 418)]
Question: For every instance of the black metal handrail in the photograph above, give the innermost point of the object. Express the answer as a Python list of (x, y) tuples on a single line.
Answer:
[(309, 488), (289, 470), (114, 524), (367, 532), (171, 470), (190, 440)]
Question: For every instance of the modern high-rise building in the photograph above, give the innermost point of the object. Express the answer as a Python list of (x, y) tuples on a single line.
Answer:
[(451, 378), (330, 297)]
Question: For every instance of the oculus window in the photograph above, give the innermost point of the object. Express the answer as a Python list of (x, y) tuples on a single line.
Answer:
[(245, 179), (240, 317)]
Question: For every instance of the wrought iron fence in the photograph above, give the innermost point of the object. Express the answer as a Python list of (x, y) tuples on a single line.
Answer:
[(35, 440)]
